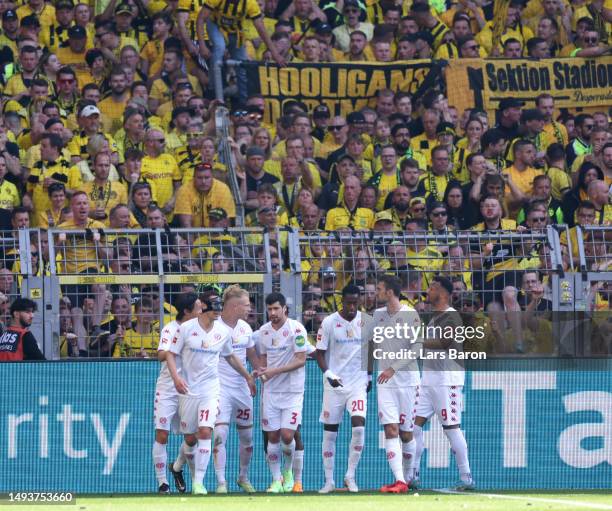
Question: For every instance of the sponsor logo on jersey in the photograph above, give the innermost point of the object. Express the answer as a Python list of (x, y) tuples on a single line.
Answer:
[(285, 333), (204, 344), (300, 341)]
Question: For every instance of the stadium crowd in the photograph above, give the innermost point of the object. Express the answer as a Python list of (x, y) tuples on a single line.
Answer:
[(108, 122)]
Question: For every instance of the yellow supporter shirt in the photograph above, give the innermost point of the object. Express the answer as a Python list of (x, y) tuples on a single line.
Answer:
[(191, 202), (46, 16), (522, 179), (387, 183), (60, 171), (78, 253), (485, 37), (192, 7), (9, 196), (162, 171), (47, 219), (361, 219), (424, 146), (135, 343), (160, 89), (78, 145), (77, 62), (112, 113), (153, 53), (108, 196), (52, 36), (554, 133)]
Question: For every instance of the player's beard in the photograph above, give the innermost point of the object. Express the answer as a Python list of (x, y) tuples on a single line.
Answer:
[(24, 323)]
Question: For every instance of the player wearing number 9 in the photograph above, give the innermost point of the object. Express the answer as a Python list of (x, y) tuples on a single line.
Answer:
[(345, 385), (200, 342)]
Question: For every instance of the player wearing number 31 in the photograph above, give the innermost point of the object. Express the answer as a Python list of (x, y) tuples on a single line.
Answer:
[(345, 384), (200, 342)]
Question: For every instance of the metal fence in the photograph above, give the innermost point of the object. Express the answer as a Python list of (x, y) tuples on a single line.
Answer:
[(88, 285)]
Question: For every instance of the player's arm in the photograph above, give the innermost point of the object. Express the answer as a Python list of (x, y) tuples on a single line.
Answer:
[(448, 320), (179, 383), (261, 30), (298, 360), (233, 361), (333, 379)]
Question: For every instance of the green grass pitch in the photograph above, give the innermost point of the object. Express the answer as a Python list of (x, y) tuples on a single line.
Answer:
[(430, 501)]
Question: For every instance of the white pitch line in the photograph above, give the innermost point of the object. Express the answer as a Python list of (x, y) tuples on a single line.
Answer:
[(575, 503)]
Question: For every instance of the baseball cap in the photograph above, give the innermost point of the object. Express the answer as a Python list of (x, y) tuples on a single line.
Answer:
[(323, 29), (9, 15), (321, 112), (352, 4), (266, 210), (255, 150), (123, 8), (445, 128), (355, 118), (328, 272), (64, 4), (511, 103), (77, 32), (383, 216), (217, 214), (417, 200), (532, 114), (89, 110), (30, 21)]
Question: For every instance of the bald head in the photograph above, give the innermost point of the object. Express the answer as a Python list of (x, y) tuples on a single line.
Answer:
[(598, 193)]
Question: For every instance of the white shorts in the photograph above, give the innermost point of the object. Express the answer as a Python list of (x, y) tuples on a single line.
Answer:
[(280, 410), (198, 412), (165, 411), (335, 401), (235, 404), (397, 406), (445, 401)]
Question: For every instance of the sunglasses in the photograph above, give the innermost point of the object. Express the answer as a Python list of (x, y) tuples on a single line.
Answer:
[(591, 40), (418, 210), (475, 47), (160, 140), (438, 213), (539, 219), (241, 113), (66, 80), (588, 126), (335, 127)]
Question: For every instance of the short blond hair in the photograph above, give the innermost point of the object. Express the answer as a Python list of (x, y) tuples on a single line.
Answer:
[(234, 291)]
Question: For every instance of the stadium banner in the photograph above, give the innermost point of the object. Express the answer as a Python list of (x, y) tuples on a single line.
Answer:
[(344, 87), (88, 428), (573, 82)]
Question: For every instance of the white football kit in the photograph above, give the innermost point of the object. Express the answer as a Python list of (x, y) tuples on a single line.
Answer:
[(283, 395), (200, 352), (398, 397), (165, 409), (442, 389), (235, 401), (342, 342)]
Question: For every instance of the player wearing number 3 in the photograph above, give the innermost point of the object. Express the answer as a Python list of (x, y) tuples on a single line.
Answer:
[(200, 342), (345, 384), (282, 345)]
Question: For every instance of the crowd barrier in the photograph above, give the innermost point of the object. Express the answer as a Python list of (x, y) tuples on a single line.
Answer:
[(88, 428), (64, 270)]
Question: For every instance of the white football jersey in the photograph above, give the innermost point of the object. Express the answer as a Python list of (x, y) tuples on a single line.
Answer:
[(241, 340), (200, 351), (406, 370), (343, 344), (280, 346), (437, 371), (164, 380)]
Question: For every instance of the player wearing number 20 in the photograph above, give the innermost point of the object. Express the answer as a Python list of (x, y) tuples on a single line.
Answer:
[(200, 342), (345, 384), (282, 344)]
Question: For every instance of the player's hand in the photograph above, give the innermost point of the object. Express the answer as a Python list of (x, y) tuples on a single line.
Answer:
[(181, 386), (334, 380), (252, 386), (369, 387), (386, 375), (267, 373)]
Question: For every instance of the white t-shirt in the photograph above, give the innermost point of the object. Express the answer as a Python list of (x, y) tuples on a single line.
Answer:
[(344, 348), (165, 384), (406, 370), (241, 341), (438, 372), (280, 346), (200, 351)]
